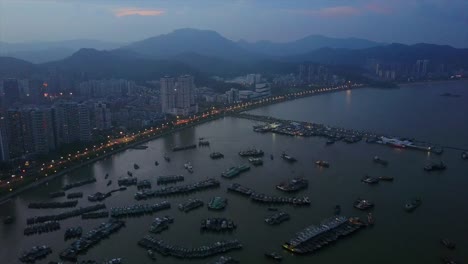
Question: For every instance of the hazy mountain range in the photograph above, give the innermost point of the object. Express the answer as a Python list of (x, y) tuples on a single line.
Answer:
[(204, 52)]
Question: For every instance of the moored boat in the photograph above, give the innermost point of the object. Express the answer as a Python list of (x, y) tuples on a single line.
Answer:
[(363, 204), (370, 180), (288, 158), (380, 161)]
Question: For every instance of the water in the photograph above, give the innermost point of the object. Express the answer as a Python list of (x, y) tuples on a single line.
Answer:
[(396, 237)]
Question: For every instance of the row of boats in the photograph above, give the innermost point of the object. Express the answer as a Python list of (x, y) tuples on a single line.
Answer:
[(48, 205), (217, 224), (91, 238), (64, 215), (166, 249), (181, 189), (35, 253), (169, 179), (263, 198), (46, 227), (78, 184), (277, 218), (138, 209), (315, 237)]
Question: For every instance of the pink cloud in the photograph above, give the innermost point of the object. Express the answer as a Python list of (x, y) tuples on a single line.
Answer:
[(127, 11), (379, 8), (337, 11)]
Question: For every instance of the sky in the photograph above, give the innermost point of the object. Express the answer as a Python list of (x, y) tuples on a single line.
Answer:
[(402, 21)]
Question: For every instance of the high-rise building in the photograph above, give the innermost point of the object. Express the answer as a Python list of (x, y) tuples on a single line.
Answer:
[(4, 152), (42, 130), (102, 116), (421, 68), (19, 132), (11, 91), (167, 94), (71, 122), (178, 98)]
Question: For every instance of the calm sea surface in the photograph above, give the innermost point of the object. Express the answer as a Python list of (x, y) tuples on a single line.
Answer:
[(416, 111)]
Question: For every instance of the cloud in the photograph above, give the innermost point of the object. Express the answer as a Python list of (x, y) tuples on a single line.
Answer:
[(336, 11), (379, 8), (129, 11)]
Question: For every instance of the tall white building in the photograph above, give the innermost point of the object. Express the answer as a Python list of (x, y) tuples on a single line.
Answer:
[(178, 97)]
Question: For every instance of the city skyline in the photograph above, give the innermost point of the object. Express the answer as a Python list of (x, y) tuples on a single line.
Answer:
[(409, 22)]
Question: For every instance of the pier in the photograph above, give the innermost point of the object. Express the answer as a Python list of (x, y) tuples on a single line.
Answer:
[(349, 136)]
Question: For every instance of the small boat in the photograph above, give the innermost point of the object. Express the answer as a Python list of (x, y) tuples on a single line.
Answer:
[(166, 158), (448, 244), (109, 182), (288, 158), (412, 205), (129, 173), (370, 180), (151, 254), (449, 260), (271, 157), (380, 161), (256, 161), (386, 178), (337, 209), (432, 166), (188, 166), (156, 163), (363, 204), (135, 166), (370, 219), (322, 163), (330, 142), (8, 220), (274, 256), (107, 176), (464, 155)]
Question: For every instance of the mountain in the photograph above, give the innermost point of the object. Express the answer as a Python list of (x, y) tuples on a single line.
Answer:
[(16, 68), (40, 52), (307, 44), (202, 42), (95, 64), (393, 53)]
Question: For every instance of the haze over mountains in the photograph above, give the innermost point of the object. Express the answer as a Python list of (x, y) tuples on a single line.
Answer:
[(204, 51)]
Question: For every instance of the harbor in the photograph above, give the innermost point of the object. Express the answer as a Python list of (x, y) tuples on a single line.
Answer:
[(340, 184)]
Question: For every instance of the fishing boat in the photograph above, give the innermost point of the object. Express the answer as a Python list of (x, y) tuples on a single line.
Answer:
[(109, 182), (322, 163), (363, 204), (413, 204), (135, 166), (369, 180), (156, 163), (386, 178), (380, 161), (166, 158), (288, 158)]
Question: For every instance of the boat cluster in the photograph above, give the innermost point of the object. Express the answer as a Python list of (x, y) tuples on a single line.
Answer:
[(263, 198), (293, 185), (75, 195), (160, 224), (127, 181), (277, 218), (216, 155), (149, 242), (182, 189), (138, 209), (65, 215), (169, 179), (179, 148), (190, 205), (47, 205), (46, 227), (73, 232), (217, 224), (225, 260), (144, 184), (314, 237), (35, 253), (78, 184), (235, 171), (95, 215), (91, 238)]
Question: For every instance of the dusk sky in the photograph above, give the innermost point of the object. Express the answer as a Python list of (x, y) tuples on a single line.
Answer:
[(404, 21)]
